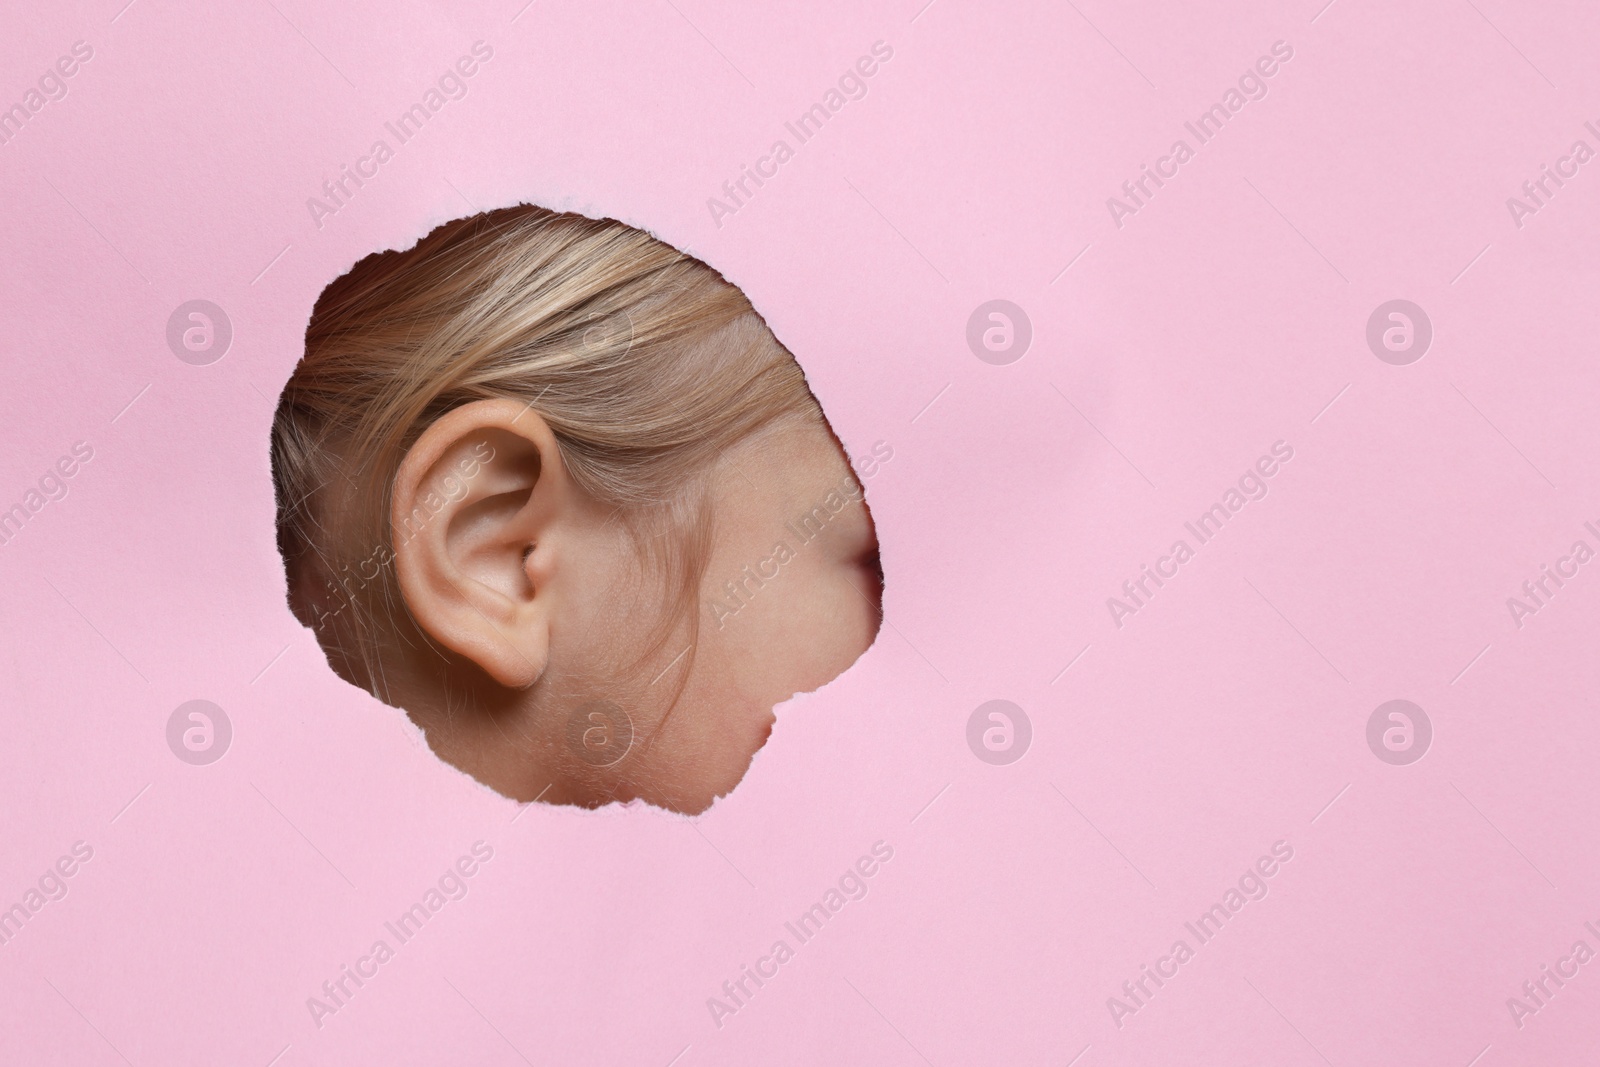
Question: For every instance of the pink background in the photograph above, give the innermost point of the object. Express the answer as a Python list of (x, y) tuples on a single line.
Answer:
[(1228, 714)]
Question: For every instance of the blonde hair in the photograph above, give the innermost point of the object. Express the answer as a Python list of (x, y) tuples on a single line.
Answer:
[(646, 364)]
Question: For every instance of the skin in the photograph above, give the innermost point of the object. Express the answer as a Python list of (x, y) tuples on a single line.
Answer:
[(573, 674), (796, 624)]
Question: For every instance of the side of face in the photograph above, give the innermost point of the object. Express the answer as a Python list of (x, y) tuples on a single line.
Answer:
[(790, 597), (593, 679)]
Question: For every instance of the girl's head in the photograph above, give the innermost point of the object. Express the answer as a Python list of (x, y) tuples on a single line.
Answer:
[(554, 488)]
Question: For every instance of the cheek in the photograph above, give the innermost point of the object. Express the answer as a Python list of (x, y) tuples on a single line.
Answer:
[(806, 628)]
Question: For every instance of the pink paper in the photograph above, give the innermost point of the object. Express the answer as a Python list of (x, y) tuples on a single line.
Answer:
[(1372, 271)]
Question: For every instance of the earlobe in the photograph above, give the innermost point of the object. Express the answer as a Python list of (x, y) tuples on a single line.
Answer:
[(481, 487)]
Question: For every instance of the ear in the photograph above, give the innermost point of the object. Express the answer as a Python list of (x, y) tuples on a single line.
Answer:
[(481, 505)]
